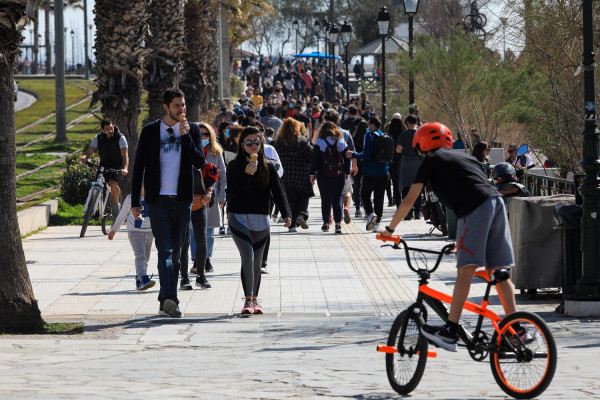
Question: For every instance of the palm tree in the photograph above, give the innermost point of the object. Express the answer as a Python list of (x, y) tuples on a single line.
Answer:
[(200, 59), (167, 45), (19, 310), (121, 31)]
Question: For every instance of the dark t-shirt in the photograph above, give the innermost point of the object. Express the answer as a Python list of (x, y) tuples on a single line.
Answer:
[(406, 141), (457, 179), (302, 118)]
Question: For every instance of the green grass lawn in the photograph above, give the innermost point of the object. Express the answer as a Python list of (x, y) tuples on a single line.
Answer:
[(40, 180), (28, 161)]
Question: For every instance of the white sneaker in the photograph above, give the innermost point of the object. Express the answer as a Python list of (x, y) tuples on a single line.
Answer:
[(371, 220), (375, 227)]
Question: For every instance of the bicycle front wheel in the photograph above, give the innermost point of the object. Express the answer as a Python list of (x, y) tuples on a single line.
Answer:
[(405, 367), (441, 218), (523, 366), (108, 217), (89, 211)]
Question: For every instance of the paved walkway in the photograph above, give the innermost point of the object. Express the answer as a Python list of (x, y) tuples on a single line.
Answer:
[(328, 300)]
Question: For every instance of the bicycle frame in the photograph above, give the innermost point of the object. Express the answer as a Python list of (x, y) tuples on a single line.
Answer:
[(102, 187), (436, 299)]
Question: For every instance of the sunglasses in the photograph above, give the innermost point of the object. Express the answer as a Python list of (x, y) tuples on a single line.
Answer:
[(171, 135), (205, 134), (256, 142), (512, 151)]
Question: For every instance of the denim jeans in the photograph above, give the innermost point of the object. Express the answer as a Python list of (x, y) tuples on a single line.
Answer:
[(169, 218)]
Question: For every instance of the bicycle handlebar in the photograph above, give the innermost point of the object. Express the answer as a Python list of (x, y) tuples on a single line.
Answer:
[(101, 168), (397, 240)]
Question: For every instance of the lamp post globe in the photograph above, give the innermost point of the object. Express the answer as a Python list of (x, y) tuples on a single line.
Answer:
[(383, 24)]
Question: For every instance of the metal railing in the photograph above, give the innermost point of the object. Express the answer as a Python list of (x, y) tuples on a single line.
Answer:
[(542, 185)]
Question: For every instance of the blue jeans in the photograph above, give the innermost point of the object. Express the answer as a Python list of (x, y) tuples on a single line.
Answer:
[(169, 218), (210, 241)]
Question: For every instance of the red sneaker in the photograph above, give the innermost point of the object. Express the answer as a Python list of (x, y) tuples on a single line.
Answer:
[(257, 308), (248, 307)]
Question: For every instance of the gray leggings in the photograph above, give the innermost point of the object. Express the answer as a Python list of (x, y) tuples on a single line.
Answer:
[(251, 245)]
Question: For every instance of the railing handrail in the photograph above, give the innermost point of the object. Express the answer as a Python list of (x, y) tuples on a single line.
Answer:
[(542, 185)]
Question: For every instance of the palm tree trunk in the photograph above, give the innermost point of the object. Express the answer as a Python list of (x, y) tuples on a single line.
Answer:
[(121, 30), (167, 45), (201, 62), (19, 310), (47, 41)]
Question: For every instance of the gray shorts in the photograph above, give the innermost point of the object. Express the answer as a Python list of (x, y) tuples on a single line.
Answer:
[(483, 237)]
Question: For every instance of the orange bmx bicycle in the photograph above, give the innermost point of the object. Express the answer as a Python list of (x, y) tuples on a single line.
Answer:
[(523, 365)]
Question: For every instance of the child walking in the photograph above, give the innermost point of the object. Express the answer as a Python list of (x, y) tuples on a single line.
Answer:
[(140, 237)]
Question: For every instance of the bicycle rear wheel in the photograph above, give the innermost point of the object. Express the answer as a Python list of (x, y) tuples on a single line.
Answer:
[(89, 211), (440, 217), (524, 369), (108, 216), (405, 367)]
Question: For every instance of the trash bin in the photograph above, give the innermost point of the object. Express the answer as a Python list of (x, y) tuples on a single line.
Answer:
[(536, 244), (451, 221), (567, 219)]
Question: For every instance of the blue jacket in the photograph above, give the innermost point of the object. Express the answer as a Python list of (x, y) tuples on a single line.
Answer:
[(147, 164), (370, 167)]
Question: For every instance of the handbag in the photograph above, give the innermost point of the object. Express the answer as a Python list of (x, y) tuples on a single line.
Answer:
[(197, 202)]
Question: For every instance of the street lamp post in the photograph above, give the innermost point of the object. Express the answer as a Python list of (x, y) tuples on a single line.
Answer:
[(317, 29), (325, 25), (346, 32), (65, 29), (85, 41), (383, 24), (73, 49), (295, 25), (333, 37), (90, 26), (410, 8), (588, 286)]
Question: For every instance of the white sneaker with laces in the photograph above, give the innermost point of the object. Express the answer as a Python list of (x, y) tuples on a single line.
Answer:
[(371, 220), (376, 227)]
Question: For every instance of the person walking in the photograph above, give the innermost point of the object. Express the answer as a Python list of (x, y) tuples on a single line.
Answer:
[(360, 131), (295, 153), (251, 180), (140, 238), (330, 167), (375, 176), (396, 127), (213, 152), (409, 164), (167, 150)]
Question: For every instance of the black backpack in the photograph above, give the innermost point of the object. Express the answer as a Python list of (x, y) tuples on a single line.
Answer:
[(333, 164), (300, 84), (383, 148)]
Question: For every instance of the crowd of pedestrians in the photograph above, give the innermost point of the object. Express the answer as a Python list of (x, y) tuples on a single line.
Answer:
[(255, 164)]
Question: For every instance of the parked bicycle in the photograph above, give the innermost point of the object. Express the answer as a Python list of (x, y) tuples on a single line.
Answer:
[(99, 201), (523, 366)]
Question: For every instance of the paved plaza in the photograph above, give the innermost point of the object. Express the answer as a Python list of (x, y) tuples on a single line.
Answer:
[(328, 299)]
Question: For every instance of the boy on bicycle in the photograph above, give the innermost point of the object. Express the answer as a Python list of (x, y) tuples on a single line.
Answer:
[(482, 228)]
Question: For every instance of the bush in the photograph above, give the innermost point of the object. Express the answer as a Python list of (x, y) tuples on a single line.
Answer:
[(76, 181)]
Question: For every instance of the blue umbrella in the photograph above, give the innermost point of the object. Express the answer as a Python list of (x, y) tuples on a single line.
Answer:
[(315, 54)]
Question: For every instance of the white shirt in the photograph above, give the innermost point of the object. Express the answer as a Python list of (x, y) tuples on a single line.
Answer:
[(272, 156), (170, 159)]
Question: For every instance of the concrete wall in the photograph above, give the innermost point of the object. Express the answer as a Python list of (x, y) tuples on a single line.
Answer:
[(36, 217)]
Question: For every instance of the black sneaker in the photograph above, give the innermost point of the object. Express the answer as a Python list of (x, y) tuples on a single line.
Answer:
[(440, 336), (409, 216), (338, 228), (202, 282), (185, 285), (208, 266), (325, 227)]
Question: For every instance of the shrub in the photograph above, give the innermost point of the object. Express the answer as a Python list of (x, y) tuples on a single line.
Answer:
[(76, 181)]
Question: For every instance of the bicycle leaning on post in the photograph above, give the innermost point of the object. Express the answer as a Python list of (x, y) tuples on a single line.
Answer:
[(522, 362), (99, 200)]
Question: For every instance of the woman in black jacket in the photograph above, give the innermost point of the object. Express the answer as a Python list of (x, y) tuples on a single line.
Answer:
[(251, 180), (295, 152)]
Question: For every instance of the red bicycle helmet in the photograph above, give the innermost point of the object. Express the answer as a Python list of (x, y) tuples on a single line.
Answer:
[(431, 136)]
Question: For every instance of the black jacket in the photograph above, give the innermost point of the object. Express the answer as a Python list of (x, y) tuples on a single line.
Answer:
[(147, 164)]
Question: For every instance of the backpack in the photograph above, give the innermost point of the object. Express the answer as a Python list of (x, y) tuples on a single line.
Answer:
[(333, 164), (300, 85), (383, 148)]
